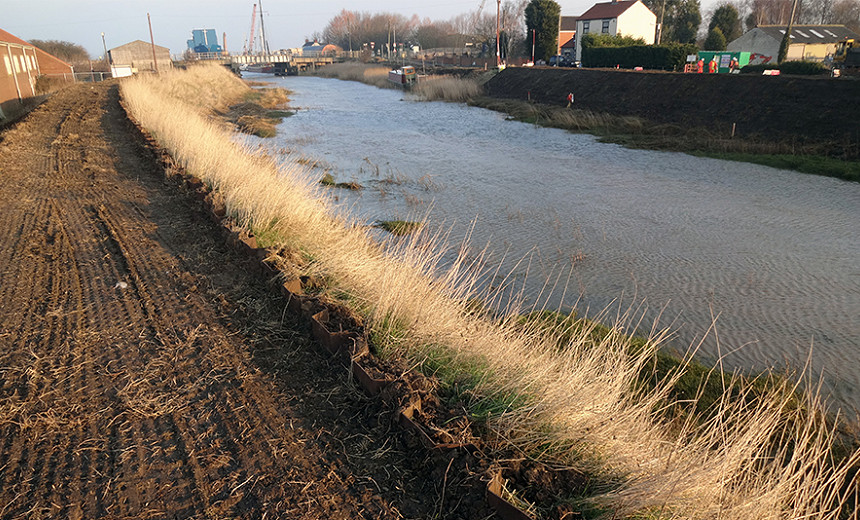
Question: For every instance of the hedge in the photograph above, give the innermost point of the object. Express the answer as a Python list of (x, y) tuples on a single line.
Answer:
[(803, 68), (660, 57)]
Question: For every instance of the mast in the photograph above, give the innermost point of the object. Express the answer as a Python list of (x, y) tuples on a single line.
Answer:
[(249, 44), (265, 43)]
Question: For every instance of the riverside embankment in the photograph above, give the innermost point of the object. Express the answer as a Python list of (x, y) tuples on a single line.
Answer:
[(568, 401), (819, 112), (146, 372)]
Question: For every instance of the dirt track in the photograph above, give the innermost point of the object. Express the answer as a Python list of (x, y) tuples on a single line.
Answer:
[(145, 374)]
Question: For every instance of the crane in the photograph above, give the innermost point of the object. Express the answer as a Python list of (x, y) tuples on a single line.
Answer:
[(249, 44)]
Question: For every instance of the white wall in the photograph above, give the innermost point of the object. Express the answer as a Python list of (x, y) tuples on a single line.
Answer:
[(638, 22)]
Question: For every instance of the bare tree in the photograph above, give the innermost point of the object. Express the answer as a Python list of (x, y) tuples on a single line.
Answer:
[(847, 13)]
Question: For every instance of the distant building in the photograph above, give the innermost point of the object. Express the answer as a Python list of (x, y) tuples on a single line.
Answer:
[(315, 48), (808, 42), (617, 18), (20, 67), (204, 41), (567, 36), (136, 56)]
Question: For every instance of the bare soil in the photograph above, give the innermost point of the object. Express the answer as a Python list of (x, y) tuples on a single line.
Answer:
[(818, 113), (144, 373)]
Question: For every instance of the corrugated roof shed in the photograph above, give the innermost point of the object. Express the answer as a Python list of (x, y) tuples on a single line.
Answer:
[(810, 33)]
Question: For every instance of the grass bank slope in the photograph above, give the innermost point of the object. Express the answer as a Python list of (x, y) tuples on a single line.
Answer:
[(565, 398), (801, 115)]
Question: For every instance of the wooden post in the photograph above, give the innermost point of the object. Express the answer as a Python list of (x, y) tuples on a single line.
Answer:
[(152, 41)]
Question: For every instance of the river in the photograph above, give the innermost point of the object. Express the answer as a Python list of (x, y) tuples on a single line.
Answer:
[(774, 255)]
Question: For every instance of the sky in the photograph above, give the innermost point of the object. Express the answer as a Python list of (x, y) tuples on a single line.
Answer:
[(287, 23)]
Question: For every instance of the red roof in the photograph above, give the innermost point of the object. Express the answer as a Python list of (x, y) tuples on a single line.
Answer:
[(48, 63), (11, 38), (606, 10)]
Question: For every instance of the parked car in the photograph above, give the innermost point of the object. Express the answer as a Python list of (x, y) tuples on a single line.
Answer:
[(561, 61)]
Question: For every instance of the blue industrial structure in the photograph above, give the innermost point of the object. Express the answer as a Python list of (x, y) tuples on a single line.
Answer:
[(204, 40)]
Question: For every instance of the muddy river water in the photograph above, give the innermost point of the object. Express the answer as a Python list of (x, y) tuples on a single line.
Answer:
[(773, 255)]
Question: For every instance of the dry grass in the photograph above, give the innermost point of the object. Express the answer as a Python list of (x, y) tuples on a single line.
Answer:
[(572, 404), (446, 88), (375, 75), (565, 118)]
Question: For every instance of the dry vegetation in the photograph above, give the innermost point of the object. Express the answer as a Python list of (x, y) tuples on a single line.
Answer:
[(376, 75), (446, 88), (560, 396)]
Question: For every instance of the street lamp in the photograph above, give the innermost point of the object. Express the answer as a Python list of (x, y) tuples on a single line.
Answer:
[(107, 60)]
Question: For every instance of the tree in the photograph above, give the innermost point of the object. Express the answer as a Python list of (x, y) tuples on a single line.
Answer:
[(715, 41), (686, 21), (847, 13), (66, 51), (680, 18), (542, 17), (726, 17)]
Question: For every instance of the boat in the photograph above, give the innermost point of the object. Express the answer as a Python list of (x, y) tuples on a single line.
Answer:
[(404, 76), (259, 67)]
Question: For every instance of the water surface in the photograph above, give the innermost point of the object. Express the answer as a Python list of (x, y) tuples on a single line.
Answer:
[(773, 254)]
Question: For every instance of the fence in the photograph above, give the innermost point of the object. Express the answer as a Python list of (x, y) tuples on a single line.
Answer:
[(79, 77)]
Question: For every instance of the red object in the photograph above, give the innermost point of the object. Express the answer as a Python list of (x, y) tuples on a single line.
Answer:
[(701, 66), (712, 67)]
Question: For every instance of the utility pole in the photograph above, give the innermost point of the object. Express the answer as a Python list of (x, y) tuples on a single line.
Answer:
[(110, 69), (498, 47), (786, 39), (152, 42), (660, 29)]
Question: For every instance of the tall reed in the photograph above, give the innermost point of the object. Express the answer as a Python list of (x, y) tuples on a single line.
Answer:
[(446, 88), (376, 75), (568, 401)]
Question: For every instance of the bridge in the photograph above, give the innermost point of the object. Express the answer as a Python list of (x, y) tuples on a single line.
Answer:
[(290, 61)]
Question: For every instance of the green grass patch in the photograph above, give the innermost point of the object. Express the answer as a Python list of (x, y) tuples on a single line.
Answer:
[(279, 114), (328, 180), (828, 166), (267, 237), (398, 227), (703, 386)]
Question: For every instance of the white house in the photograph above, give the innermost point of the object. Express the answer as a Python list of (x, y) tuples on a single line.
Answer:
[(621, 17), (808, 42)]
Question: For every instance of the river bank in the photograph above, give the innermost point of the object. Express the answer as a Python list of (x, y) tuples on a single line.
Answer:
[(571, 404), (799, 123), (808, 124)]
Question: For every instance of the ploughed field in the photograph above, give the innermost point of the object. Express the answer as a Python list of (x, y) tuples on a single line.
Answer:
[(144, 373)]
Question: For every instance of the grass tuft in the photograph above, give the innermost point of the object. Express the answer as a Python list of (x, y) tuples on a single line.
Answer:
[(398, 227)]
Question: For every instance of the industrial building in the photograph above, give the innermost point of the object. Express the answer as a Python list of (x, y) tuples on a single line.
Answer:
[(21, 66), (204, 41), (808, 42), (137, 56)]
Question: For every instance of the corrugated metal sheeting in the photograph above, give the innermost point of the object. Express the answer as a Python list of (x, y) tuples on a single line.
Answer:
[(20, 65), (19, 69)]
